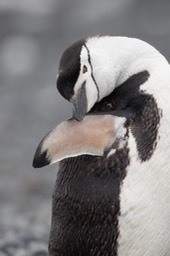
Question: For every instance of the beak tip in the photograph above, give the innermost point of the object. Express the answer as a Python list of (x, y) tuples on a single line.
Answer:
[(78, 117)]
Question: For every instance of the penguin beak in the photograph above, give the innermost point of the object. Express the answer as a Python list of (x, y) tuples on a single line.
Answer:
[(80, 104)]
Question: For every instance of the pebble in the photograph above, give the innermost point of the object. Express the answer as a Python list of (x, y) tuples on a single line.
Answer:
[(38, 249)]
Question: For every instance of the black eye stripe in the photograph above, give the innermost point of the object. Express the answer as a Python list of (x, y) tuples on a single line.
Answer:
[(92, 75)]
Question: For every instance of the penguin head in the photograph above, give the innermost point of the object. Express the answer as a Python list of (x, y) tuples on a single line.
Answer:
[(92, 68)]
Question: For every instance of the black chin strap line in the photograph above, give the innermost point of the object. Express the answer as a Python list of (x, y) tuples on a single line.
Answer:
[(92, 75)]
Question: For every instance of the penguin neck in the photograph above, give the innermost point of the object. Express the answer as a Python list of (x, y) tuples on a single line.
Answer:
[(86, 204), (120, 58)]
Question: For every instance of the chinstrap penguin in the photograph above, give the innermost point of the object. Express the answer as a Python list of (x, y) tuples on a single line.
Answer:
[(112, 190)]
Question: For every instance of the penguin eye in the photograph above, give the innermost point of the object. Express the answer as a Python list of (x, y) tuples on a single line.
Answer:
[(84, 69)]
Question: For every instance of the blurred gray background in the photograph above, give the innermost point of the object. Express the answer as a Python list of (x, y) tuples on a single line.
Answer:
[(33, 35)]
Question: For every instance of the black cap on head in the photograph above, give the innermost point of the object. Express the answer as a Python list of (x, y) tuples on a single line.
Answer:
[(69, 69)]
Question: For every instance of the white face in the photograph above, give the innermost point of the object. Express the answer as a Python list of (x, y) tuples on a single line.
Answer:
[(86, 75)]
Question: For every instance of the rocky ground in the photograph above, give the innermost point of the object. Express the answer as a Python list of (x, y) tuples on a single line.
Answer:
[(24, 234)]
